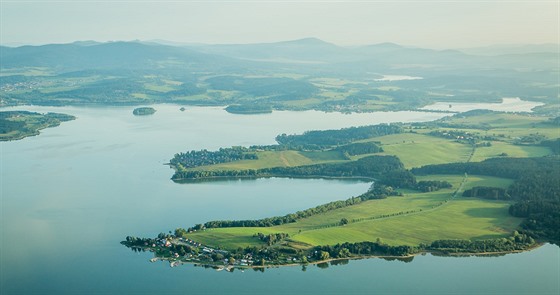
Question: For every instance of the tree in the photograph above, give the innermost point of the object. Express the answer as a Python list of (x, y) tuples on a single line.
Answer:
[(217, 256), (180, 232), (344, 252), (323, 255), (343, 221)]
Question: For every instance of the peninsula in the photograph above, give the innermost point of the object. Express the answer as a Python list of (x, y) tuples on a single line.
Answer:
[(480, 182), (15, 125)]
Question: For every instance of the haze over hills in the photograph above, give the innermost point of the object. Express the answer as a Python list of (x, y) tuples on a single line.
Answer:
[(302, 50), (134, 54), (299, 74)]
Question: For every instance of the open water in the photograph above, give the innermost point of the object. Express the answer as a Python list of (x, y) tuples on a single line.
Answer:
[(71, 194)]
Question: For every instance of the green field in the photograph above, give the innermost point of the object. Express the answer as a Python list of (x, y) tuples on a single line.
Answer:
[(432, 216), (506, 126), (417, 150), (268, 159), (414, 150), (511, 150), (458, 219), (415, 217)]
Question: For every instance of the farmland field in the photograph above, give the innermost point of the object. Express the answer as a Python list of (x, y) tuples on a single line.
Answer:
[(432, 216)]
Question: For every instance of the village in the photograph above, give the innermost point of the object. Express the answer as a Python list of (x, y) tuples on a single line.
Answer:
[(182, 250)]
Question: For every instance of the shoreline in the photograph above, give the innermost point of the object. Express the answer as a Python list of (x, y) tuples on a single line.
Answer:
[(217, 178), (437, 253)]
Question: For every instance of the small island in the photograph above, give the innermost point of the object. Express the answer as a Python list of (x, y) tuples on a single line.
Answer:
[(143, 111), (249, 109), (441, 187), (15, 125)]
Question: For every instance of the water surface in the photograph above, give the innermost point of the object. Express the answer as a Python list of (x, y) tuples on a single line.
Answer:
[(71, 194), (512, 104)]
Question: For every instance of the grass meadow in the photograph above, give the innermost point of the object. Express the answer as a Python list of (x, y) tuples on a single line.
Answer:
[(432, 216)]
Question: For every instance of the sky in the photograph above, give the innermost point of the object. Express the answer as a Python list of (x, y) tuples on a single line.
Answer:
[(431, 24)]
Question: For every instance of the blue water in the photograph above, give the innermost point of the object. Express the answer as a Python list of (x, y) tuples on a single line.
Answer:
[(71, 194)]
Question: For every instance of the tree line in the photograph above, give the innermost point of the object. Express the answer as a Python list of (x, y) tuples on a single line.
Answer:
[(501, 167), (486, 192), (516, 242), (316, 139), (362, 248), (359, 148), (388, 169), (204, 157), (432, 185)]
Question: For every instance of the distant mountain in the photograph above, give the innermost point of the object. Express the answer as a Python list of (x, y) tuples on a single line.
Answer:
[(309, 56), (319, 55), (112, 55), (308, 50)]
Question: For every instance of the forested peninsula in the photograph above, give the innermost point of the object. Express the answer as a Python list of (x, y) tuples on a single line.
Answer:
[(474, 183)]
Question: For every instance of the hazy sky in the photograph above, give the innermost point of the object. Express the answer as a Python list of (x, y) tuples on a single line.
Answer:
[(434, 24)]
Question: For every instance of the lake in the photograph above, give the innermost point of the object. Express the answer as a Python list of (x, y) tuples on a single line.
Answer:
[(508, 104), (71, 194)]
